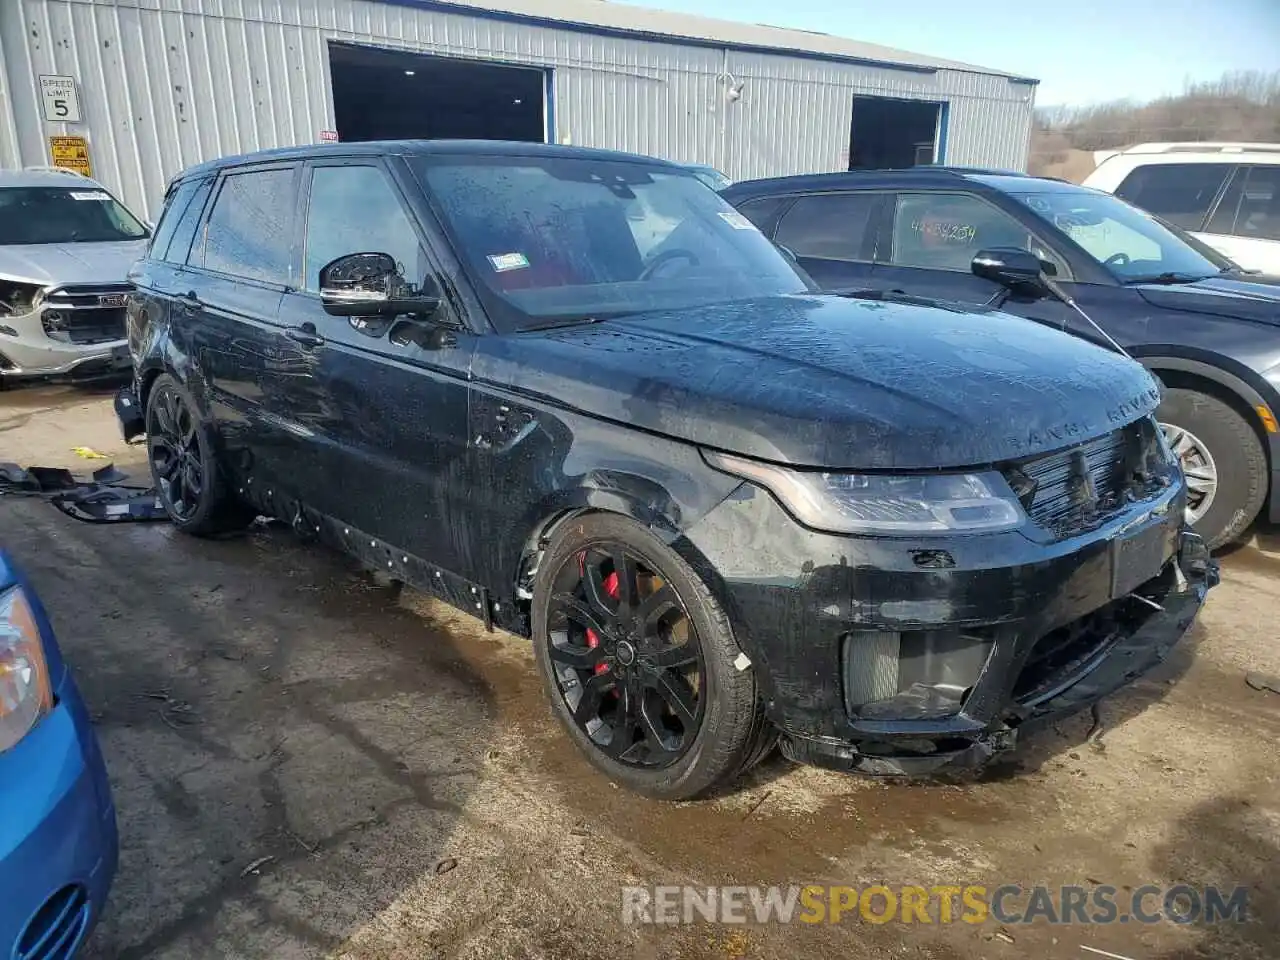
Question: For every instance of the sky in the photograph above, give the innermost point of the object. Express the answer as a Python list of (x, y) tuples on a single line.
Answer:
[(1082, 51)]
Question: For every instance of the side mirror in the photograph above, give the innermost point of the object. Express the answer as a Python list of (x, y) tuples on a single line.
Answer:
[(371, 285), (1012, 268)]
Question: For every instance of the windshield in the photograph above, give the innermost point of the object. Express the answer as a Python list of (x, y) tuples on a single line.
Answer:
[(64, 215), (1133, 245), (551, 239)]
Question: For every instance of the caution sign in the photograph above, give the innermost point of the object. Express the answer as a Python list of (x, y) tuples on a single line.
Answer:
[(71, 153)]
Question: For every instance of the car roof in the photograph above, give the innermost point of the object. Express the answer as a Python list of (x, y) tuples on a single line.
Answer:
[(47, 177), (1217, 150), (382, 148), (934, 177)]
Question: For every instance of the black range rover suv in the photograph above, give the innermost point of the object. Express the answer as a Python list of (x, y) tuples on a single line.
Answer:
[(1205, 328), (578, 394)]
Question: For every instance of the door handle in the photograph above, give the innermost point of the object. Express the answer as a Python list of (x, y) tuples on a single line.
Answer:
[(305, 335)]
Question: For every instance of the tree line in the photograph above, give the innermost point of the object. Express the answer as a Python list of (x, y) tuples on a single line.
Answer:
[(1238, 106)]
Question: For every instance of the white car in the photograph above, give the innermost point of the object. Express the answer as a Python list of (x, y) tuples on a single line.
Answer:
[(66, 245), (1227, 194)]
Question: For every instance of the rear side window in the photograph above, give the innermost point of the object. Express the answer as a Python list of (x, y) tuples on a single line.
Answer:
[(1251, 206), (178, 223), (185, 233), (828, 227), (763, 212), (1181, 193), (250, 229), (174, 206)]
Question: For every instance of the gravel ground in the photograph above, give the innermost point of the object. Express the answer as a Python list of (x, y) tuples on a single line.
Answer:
[(308, 764)]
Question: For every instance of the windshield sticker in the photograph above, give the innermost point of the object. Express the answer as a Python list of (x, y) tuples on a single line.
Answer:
[(737, 220), (502, 262), (88, 195)]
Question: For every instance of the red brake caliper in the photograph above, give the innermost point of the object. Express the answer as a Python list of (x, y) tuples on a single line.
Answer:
[(611, 588)]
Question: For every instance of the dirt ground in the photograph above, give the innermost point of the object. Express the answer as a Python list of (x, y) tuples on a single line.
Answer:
[(308, 765)]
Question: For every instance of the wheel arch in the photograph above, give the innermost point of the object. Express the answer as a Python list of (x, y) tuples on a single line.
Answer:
[(147, 375), (1215, 379), (549, 517), (641, 499)]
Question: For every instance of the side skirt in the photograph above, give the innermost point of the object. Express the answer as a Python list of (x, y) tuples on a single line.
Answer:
[(393, 561)]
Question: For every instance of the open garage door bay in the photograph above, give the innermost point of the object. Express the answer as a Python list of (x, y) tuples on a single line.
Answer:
[(383, 94)]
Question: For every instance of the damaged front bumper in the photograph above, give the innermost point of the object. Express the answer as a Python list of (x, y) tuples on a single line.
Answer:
[(889, 657), (69, 332)]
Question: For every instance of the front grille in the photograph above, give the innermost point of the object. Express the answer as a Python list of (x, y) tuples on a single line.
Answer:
[(57, 928), (98, 326), (86, 314), (87, 295), (1077, 489)]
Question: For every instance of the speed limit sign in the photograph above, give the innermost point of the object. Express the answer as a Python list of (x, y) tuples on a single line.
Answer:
[(60, 99)]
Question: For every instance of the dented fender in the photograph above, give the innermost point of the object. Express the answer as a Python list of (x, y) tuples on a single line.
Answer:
[(535, 463)]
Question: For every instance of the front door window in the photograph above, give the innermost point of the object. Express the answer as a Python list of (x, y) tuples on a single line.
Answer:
[(945, 231)]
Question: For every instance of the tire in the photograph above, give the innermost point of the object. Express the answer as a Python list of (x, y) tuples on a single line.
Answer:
[(1235, 456), (730, 732), (175, 434)]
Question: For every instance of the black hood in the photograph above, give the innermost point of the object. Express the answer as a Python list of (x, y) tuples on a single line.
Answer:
[(825, 381), (1255, 298)]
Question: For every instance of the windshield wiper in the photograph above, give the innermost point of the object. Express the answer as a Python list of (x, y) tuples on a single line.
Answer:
[(897, 296), (1167, 278), (563, 322)]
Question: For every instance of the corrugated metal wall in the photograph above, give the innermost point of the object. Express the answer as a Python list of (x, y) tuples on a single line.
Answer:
[(167, 83)]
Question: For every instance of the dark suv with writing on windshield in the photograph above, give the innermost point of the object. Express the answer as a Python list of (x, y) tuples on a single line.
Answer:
[(577, 394), (1204, 327)]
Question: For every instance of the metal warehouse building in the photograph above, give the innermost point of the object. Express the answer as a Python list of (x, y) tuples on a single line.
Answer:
[(139, 89)]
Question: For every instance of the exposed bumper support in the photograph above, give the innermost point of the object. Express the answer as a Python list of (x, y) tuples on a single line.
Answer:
[(1180, 591)]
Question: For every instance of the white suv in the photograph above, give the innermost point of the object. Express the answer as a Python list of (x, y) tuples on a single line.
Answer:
[(66, 245), (1227, 194)]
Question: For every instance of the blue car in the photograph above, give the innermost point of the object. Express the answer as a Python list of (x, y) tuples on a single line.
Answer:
[(58, 841)]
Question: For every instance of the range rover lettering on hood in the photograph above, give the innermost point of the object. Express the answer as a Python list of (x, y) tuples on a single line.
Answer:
[(1074, 431), (829, 382)]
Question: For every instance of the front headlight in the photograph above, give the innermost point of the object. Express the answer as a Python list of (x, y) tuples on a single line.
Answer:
[(25, 696), (876, 503)]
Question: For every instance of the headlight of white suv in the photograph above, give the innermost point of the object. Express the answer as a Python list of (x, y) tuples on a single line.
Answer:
[(874, 503), (25, 695)]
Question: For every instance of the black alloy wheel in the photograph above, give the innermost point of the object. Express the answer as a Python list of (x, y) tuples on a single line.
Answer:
[(173, 446), (640, 663), (184, 469), (627, 659)]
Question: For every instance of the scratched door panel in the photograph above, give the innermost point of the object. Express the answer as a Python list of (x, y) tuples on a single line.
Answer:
[(387, 433)]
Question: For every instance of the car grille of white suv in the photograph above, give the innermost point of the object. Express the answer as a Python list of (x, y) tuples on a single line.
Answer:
[(85, 313)]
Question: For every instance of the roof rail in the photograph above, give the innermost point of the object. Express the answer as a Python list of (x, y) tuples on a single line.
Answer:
[(1191, 146), (52, 169), (988, 171)]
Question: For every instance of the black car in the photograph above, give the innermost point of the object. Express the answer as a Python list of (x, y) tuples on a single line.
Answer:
[(1204, 328), (577, 394)]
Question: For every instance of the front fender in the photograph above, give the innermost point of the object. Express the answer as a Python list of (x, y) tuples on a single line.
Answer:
[(536, 465)]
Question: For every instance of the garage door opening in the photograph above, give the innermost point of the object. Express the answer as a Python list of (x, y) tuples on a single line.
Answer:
[(892, 134), (392, 95)]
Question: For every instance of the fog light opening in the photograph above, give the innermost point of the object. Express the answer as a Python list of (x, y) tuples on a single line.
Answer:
[(912, 675)]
